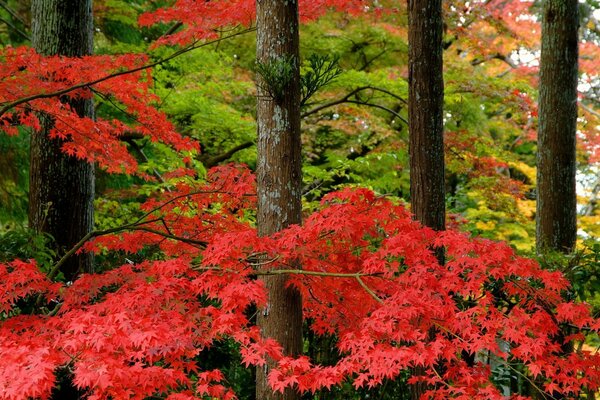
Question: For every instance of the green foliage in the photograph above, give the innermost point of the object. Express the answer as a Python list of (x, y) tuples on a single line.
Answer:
[(211, 100), (25, 244), (112, 213), (319, 72), (14, 180), (276, 75), (582, 268), (14, 25)]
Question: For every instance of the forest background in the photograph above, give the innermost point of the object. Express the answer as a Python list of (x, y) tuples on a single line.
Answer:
[(354, 128)]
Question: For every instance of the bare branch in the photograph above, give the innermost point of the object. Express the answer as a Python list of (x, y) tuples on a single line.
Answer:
[(348, 99), (496, 56), (214, 160)]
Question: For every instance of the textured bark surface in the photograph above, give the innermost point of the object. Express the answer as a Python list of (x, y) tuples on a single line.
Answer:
[(426, 130), (279, 173), (425, 111), (61, 190), (556, 163)]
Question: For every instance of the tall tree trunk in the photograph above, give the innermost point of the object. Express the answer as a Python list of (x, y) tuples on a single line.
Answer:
[(556, 214), (61, 190), (279, 168), (556, 164), (426, 131), (425, 112)]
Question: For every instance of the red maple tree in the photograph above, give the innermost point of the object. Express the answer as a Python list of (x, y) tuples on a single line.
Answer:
[(369, 275)]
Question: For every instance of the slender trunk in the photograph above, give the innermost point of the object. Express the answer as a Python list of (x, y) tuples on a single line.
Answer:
[(556, 162), (61, 190), (556, 216), (425, 112), (279, 169)]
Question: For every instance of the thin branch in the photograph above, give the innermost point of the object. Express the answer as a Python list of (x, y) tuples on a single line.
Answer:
[(139, 150), (212, 161), (495, 56), (348, 99), (294, 272), (331, 104), (172, 29), (369, 290), (61, 92), (198, 243), (173, 199), (137, 225), (499, 359), (589, 109), (13, 13), (389, 110), (355, 275), (540, 390), (14, 28)]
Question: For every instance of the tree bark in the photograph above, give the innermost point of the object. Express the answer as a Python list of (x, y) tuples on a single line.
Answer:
[(426, 131), (556, 163), (61, 188), (279, 171), (425, 112)]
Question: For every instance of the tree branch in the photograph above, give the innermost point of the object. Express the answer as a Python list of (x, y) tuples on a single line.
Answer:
[(496, 56), (13, 13), (355, 275), (214, 160), (589, 109), (137, 225), (139, 150), (14, 28), (347, 99), (8, 106)]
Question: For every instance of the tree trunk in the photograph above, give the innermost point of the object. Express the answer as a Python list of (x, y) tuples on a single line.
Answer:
[(426, 132), (61, 190), (556, 216), (279, 169), (556, 163), (425, 112)]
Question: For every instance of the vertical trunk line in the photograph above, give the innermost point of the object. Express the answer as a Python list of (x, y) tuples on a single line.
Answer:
[(556, 222), (426, 131), (279, 173), (61, 193)]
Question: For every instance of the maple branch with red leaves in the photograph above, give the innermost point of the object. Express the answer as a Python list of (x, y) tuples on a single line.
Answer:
[(357, 275), (10, 105), (102, 232), (136, 225)]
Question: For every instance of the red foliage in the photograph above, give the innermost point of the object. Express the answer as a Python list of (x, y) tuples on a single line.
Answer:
[(203, 19), (26, 74), (368, 276)]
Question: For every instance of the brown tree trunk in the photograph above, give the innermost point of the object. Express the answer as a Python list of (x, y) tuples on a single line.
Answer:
[(61, 188), (425, 113), (279, 169), (556, 216), (556, 163)]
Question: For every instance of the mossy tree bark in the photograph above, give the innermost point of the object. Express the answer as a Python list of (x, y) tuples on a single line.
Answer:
[(61, 190), (279, 169)]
